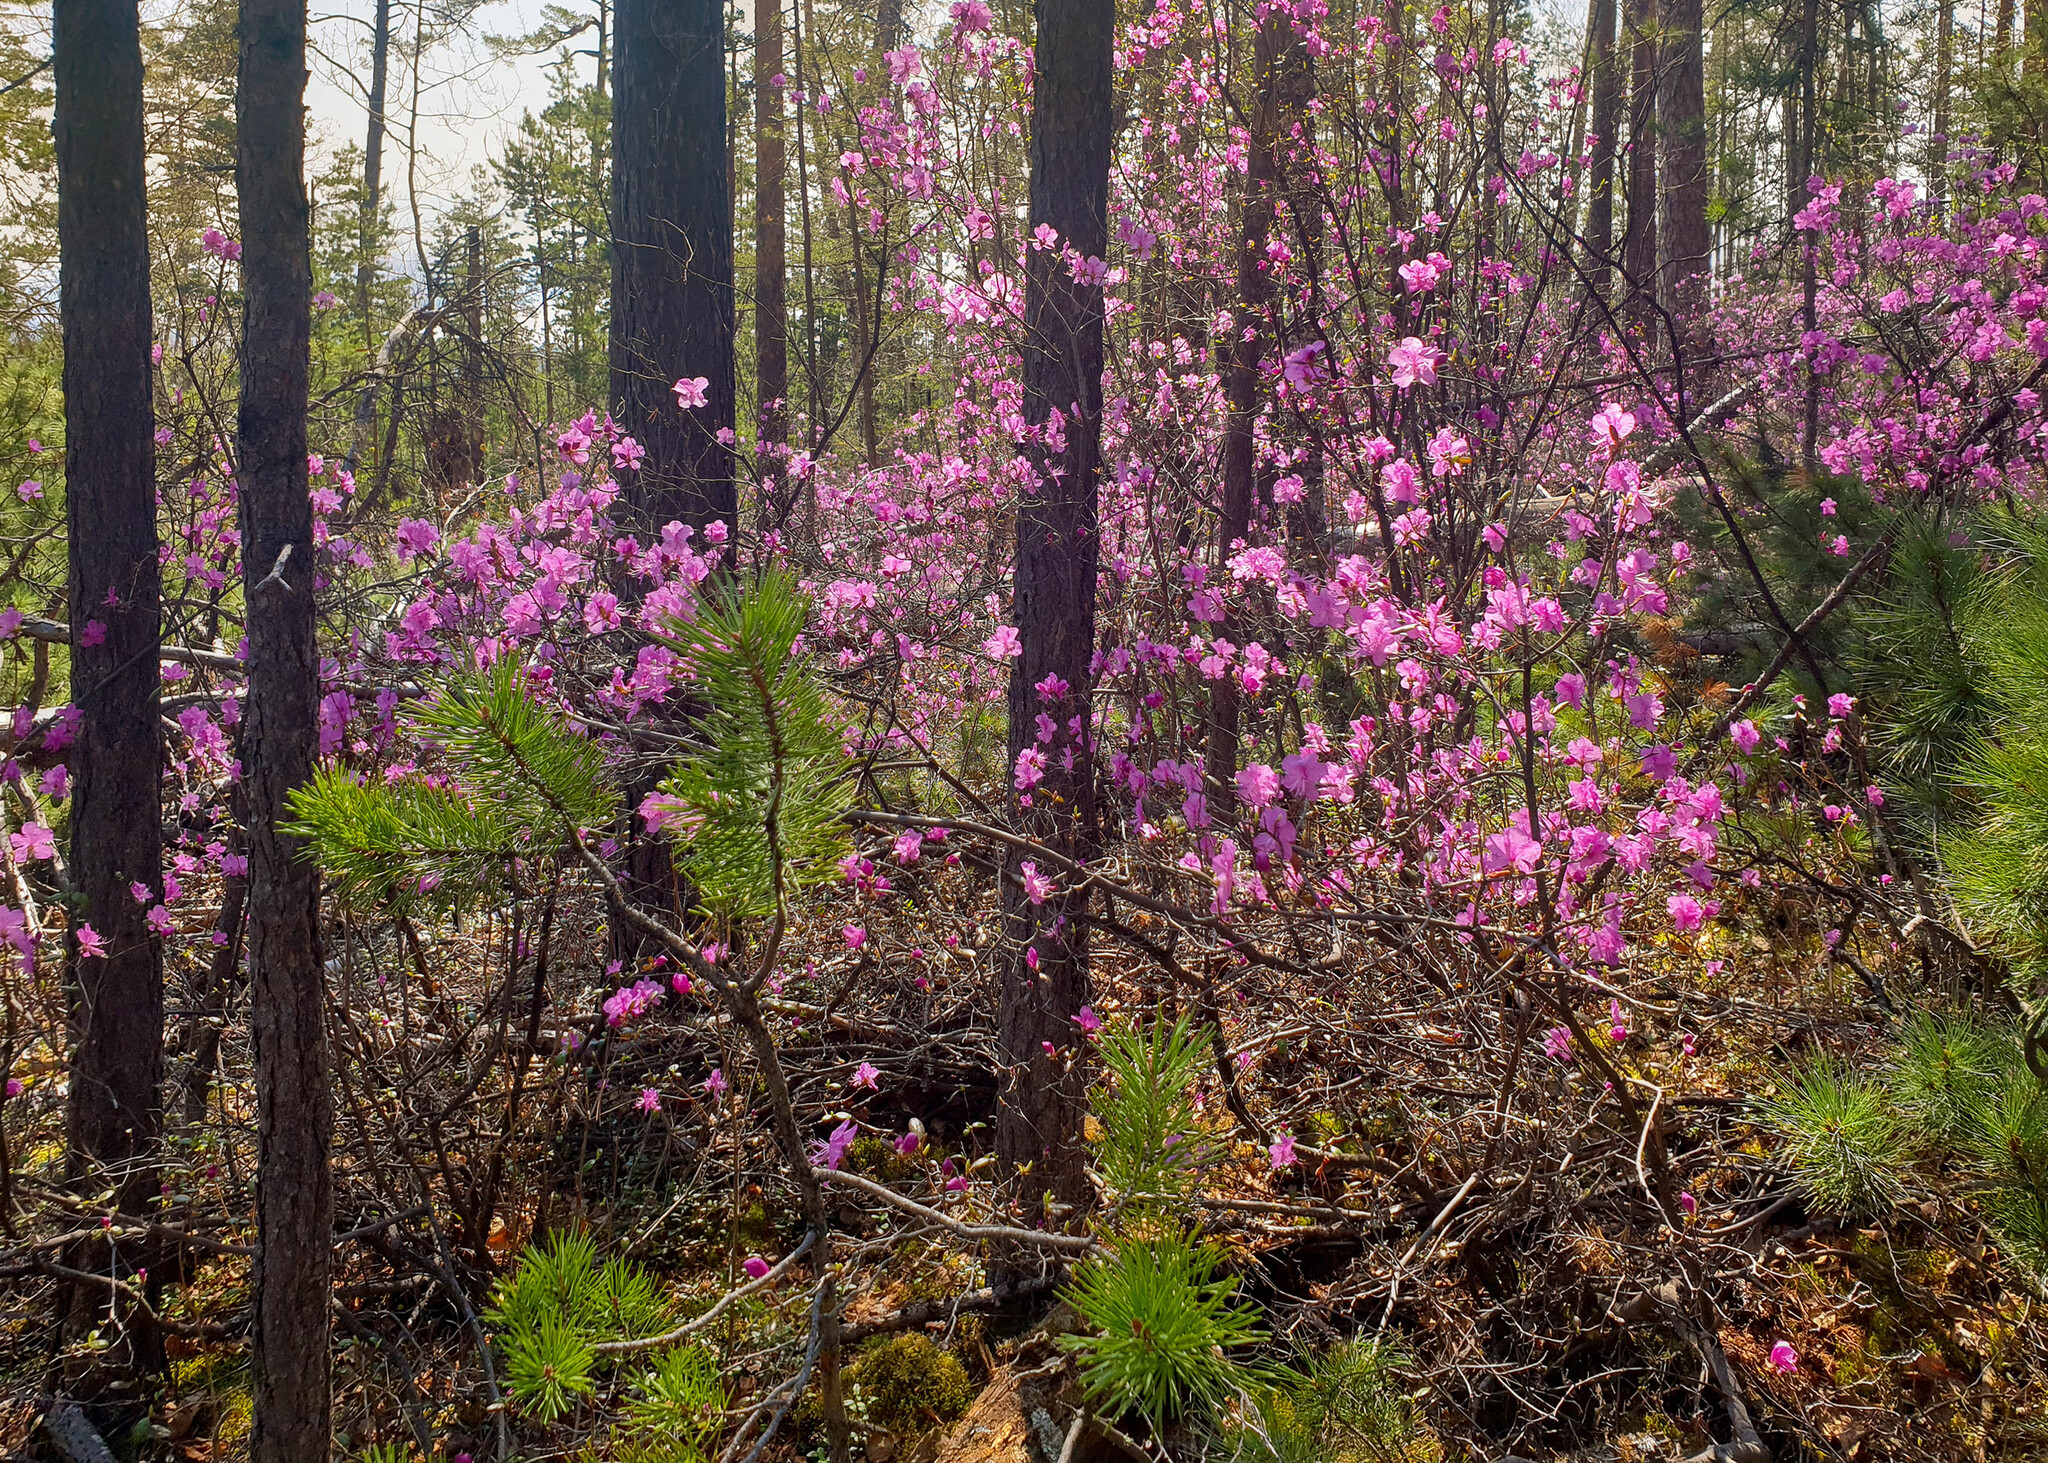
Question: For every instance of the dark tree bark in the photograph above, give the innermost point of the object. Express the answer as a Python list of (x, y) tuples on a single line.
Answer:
[(1944, 80), (771, 270), (1606, 83), (1242, 380), (373, 171), (1639, 242), (364, 427), (1801, 114), (1682, 139), (1045, 969), (114, 1112), (294, 1100), (672, 289), (672, 307)]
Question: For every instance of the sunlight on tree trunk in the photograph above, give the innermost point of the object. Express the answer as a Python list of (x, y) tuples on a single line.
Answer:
[(295, 1118), (1045, 960), (115, 1108)]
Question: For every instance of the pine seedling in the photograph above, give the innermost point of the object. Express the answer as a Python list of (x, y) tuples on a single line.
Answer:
[(1344, 1406), (681, 1400), (551, 1312), (1842, 1140), (548, 1367), (1948, 1066), (1154, 1147), (758, 804), (1163, 1325), (2007, 1137), (518, 784)]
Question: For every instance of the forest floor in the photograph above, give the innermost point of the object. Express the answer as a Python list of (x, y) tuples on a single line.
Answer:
[(1494, 1232)]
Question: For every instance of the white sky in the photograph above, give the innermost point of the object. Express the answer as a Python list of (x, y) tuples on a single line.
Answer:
[(469, 100)]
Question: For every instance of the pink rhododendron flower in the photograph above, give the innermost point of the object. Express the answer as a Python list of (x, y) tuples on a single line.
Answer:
[(33, 843), (832, 1152), (1414, 363)]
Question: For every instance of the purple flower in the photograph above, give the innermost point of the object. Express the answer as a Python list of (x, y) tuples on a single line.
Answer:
[(755, 1266), (908, 1144), (1557, 1044), (1280, 1152), (1087, 1020), (91, 944), (628, 1002), (716, 1084), (650, 1100), (866, 1075), (832, 1152), (1785, 1357), (33, 843)]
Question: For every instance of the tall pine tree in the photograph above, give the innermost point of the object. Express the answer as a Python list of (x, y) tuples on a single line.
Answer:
[(1045, 980), (115, 1107), (280, 736)]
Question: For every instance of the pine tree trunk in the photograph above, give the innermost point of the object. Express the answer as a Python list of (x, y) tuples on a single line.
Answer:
[(672, 284), (1038, 1125), (373, 169), (861, 301), (294, 1101), (1944, 78), (1682, 139), (1606, 81), (672, 307), (365, 424), (114, 1112), (1242, 379), (771, 298), (1639, 243)]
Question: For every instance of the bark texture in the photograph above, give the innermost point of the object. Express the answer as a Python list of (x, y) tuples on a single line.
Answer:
[(1606, 128), (294, 1103), (1682, 141), (672, 284), (1639, 243), (672, 310), (771, 272), (1038, 1126), (1274, 63), (114, 1111)]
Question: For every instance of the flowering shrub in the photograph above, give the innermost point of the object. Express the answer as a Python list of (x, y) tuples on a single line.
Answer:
[(1470, 773)]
